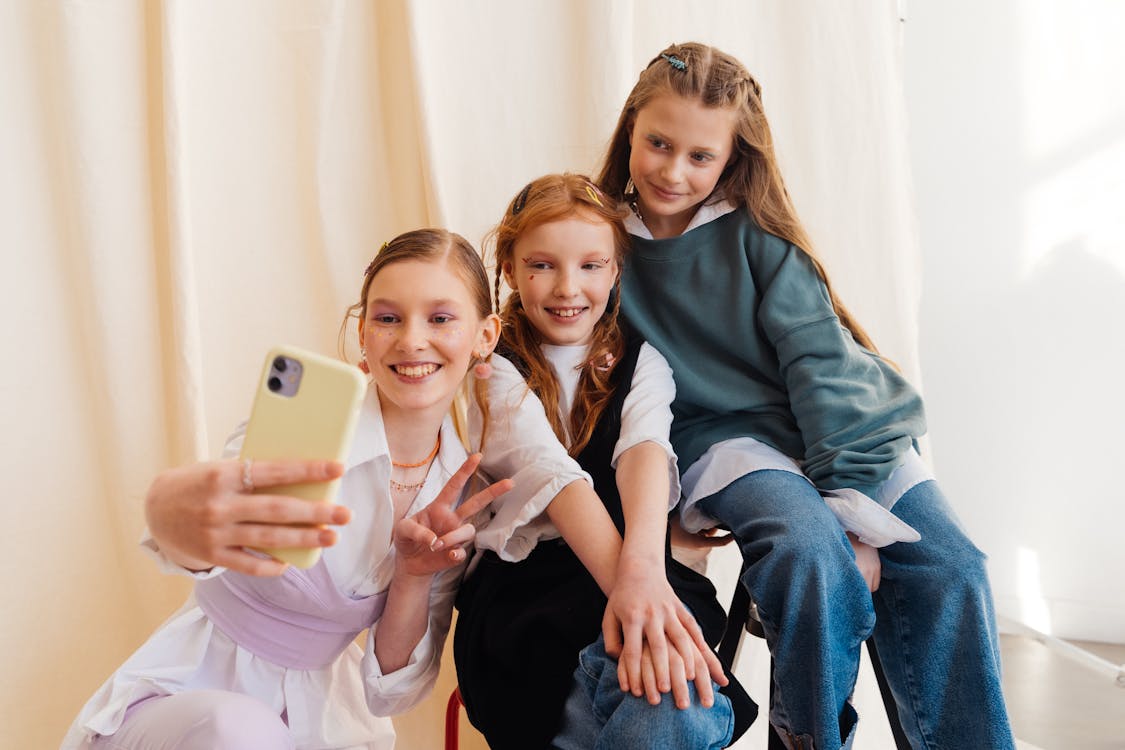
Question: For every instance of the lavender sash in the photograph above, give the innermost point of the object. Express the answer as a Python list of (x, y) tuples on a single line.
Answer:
[(299, 620)]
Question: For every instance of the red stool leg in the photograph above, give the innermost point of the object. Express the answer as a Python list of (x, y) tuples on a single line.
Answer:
[(452, 719)]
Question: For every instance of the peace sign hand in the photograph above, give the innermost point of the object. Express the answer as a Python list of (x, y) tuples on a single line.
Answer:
[(434, 538)]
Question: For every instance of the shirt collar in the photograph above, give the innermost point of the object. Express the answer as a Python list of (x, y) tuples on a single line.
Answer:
[(708, 212), (370, 440)]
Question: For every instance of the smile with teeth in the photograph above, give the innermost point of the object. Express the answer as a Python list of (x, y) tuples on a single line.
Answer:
[(415, 371), (566, 312)]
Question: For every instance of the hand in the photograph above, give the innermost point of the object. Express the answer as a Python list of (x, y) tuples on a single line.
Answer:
[(680, 693), (201, 516), (867, 560), (434, 538), (644, 613), (705, 539)]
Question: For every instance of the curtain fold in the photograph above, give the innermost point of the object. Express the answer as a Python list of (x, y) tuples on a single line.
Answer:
[(189, 182)]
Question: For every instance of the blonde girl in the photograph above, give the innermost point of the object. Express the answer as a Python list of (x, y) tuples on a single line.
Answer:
[(789, 427), (269, 662)]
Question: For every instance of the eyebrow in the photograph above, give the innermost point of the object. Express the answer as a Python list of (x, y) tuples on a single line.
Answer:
[(393, 303), (709, 150)]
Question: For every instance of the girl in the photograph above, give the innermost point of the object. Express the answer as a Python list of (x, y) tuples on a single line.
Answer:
[(292, 678), (784, 411), (530, 606)]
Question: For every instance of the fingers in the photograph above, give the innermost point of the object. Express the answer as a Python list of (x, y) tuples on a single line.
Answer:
[(271, 473), (614, 645), (684, 646), (244, 562), (630, 662), (658, 648), (703, 684), (713, 667), (713, 540), (409, 532), (452, 489), (480, 501), (459, 537), (676, 669), (649, 679), (277, 537), (282, 510)]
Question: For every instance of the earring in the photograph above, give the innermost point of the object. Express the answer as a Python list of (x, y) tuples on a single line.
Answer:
[(363, 361), (630, 189), (482, 369)]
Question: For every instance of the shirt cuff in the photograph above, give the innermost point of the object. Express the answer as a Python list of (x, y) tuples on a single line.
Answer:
[(870, 522), (514, 531), (167, 566), (394, 693)]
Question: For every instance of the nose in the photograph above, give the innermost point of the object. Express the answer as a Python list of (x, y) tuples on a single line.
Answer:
[(412, 336), (671, 171), (564, 284)]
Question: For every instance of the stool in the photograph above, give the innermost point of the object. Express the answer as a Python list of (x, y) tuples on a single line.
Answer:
[(742, 616)]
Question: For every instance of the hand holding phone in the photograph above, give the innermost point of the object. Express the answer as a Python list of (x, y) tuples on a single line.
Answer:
[(306, 407)]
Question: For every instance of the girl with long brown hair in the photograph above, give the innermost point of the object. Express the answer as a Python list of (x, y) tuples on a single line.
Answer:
[(790, 428)]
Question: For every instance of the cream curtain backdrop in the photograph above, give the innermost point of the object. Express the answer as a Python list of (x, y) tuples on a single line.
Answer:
[(188, 182)]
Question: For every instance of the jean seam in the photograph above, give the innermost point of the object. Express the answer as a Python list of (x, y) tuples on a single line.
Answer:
[(901, 628)]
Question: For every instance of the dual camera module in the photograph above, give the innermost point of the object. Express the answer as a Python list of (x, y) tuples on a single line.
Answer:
[(285, 376)]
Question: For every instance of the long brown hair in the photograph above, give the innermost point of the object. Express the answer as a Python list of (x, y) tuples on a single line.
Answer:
[(752, 178), (545, 200), (432, 246)]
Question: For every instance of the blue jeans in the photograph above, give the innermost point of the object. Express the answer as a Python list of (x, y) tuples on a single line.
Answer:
[(599, 715), (932, 616)]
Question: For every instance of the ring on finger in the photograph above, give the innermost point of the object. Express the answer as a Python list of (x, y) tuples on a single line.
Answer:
[(247, 476)]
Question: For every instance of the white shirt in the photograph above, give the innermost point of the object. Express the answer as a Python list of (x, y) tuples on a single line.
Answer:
[(344, 704), (521, 444)]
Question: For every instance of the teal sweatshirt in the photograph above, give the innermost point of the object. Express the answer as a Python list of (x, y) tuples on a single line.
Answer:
[(757, 351)]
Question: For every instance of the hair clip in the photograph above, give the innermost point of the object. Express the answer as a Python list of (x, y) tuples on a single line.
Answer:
[(371, 265), (592, 192), (521, 200), (675, 62)]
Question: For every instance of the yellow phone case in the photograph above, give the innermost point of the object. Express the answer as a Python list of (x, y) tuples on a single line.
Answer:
[(316, 421)]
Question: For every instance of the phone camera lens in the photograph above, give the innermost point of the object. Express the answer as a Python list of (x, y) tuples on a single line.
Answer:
[(274, 384), (279, 364)]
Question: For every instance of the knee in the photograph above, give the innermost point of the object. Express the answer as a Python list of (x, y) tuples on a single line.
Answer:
[(815, 556), (638, 723), (239, 721)]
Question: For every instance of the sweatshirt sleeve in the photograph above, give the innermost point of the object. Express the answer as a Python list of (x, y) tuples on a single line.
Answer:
[(857, 415)]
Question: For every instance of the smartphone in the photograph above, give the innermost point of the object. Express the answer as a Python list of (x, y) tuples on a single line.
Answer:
[(306, 407)]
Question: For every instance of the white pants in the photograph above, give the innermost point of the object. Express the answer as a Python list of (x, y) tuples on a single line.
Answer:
[(199, 720)]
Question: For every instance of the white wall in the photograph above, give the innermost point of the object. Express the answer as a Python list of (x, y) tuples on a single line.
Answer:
[(1017, 132)]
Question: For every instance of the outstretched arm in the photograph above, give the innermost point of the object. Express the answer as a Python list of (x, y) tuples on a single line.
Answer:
[(644, 612)]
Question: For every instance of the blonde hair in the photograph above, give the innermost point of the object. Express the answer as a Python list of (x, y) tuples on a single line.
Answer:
[(549, 199), (433, 246), (752, 178)]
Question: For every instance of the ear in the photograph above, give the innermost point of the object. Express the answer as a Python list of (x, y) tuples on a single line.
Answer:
[(506, 269), (488, 335), (359, 328)]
